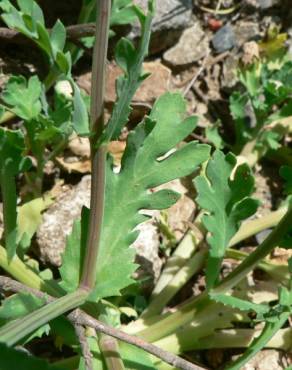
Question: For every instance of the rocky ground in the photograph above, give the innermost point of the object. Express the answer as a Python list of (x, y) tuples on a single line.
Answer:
[(195, 48)]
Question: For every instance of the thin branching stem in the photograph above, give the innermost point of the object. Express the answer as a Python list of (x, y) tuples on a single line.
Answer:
[(81, 318)]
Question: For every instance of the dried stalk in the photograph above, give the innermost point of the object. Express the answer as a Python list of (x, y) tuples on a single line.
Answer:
[(81, 318)]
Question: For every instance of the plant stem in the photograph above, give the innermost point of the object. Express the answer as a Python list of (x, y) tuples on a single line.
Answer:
[(168, 323), (85, 349), (192, 266), (182, 265), (252, 227), (258, 255), (236, 338), (98, 155), (110, 350), (270, 329), (177, 260), (81, 318), (25, 275), (278, 272), (13, 332), (206, 323)]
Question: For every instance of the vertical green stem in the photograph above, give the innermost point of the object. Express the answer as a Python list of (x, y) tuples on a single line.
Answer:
[(98, 154)]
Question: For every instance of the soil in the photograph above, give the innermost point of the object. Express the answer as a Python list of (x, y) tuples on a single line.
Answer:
[(211, 66)]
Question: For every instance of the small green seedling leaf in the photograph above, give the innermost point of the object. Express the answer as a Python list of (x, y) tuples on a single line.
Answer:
[(227, 202), (29, 20), (23, 97), (122, 12), (58, 37)]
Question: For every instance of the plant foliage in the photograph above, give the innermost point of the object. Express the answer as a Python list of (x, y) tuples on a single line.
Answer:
[(226, 199)]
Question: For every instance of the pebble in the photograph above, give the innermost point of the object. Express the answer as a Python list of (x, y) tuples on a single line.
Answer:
[(266, 4), (224, 39), (58, 222), (246, 31), (193, 45), (171, 18)]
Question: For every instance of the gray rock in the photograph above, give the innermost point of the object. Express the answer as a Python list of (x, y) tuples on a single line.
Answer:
[(245, 31), (58, 222), (262, 4), (192, 46), (224, 39), (147, 246), (171, 18), (267, 359), (266, 4), (262, 235), (229, 76)]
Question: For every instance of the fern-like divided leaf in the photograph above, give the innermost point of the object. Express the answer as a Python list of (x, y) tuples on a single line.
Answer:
[(128, 193), (227, 203), (145, 165)]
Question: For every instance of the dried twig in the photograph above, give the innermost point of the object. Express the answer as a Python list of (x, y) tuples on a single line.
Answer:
[(80, 333), (205, 64), (74, 32), (196, 75), (80, 317)]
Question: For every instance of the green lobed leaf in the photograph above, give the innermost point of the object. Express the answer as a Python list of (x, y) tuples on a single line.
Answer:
[(131, 61), (11, 358), (122, 12), (58, 37), (16, 89), (128, 193), (29, 20), (227, 203)]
